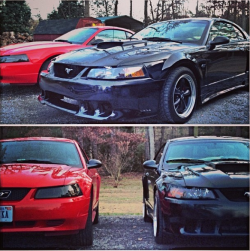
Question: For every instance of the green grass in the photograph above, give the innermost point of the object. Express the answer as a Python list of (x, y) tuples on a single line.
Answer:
[(125, 199)]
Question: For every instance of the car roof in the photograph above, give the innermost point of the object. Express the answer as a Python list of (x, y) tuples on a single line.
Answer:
[(38, 138), (100, 27), (197, 138)]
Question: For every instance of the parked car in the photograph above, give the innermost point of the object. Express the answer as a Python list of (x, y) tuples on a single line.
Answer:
[(48, 185), (166, 69), (198, 186), (22, 63)]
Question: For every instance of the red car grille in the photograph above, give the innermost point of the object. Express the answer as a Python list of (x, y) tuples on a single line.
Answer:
[(66, 70), (15, 194), (235, 194)]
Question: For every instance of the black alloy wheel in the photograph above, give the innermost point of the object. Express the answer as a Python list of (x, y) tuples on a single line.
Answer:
[(178, 97)]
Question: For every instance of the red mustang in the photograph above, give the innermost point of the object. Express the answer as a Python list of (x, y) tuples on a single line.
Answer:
[(48, 185), (22, 63)]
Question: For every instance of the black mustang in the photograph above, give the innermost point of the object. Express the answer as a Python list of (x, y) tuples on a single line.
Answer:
[(198, 186), (165, 69)]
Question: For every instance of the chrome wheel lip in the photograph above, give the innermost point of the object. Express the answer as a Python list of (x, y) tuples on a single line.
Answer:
[(155, 224), (192, 98)]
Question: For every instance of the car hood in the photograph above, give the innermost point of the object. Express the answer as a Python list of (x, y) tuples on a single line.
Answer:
[(25, 47), (218, 175), (123, 55), (37, 175)]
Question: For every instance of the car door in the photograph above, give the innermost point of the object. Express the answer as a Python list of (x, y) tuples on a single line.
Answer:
[(226, 64)]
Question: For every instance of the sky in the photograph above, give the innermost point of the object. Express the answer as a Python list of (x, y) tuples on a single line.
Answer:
[(43, 7)]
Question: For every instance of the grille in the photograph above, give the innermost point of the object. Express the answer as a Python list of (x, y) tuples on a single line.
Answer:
[(16, 193), (66, 70), (235, 194)]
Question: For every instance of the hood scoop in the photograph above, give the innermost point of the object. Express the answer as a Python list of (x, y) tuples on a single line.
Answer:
[(233, 167)]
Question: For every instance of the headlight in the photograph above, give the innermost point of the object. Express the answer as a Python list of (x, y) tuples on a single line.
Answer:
[(189, 193), (58, 192), (117, 73), (14, 58)]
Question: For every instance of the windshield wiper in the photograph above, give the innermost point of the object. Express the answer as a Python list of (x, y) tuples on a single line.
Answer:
[(63, 40), (228, 159), (160, 39), (186, 161), (31, 161)]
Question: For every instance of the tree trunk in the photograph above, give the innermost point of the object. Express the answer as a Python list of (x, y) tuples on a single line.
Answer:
[(146, 13), (131, 8), (151, 140), (86, 8), (116, 7)]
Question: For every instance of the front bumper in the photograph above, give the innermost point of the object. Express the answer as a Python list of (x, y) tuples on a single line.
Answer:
[(101, 99), (206, 218), (50, 216), (19, 73)]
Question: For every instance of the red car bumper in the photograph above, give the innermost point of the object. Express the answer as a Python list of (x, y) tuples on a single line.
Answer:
[(52, 216), (19, 73)]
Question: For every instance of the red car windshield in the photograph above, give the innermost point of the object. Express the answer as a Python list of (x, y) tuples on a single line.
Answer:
[(40, 151), (77, 36)]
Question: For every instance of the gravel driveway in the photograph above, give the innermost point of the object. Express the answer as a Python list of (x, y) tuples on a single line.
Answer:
[(19, 105), (122, 233)]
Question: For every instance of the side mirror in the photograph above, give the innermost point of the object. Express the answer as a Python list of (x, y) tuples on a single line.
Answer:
[(94, 163), (150, 164), (217, 41)]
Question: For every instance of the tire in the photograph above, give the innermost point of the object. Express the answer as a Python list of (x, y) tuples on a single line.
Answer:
[(178, 96), (43, 67), (96, 220), (85, 236), (159, 225), (146, 217)]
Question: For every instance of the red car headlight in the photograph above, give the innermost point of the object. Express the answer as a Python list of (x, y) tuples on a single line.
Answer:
[(58, 192), (14, 58)]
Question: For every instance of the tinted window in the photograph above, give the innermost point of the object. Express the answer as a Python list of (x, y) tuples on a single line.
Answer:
[(227, 30), (207, 150), (119, 35), (40, 152), (106, 35), (78, 36)]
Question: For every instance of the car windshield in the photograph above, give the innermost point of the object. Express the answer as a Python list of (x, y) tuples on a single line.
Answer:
[(185, 31), (77, 36), (207, 150), (39, 151)]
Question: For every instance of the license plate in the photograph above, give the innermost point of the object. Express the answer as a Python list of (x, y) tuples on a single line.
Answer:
[(6, 214), (70, 101)]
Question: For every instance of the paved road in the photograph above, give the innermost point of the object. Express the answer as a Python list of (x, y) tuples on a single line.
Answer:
[(19, 105), (120, 233)]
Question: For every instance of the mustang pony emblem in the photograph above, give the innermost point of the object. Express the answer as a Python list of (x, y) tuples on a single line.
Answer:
[(5, 194), (68, 70), (247, 194)]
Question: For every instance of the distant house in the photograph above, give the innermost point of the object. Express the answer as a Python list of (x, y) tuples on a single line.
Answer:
[(123, 22), (48, 30)]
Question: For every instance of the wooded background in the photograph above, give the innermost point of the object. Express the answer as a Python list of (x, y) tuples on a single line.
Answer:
[(121, 149)]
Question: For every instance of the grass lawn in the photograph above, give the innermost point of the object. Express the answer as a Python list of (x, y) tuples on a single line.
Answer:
[(125, 199)]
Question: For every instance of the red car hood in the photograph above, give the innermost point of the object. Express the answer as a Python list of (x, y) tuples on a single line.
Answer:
[(24, 47), (36, 175)]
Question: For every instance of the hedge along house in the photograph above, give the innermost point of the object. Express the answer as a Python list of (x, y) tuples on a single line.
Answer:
[(123, 22), (48, 30)]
